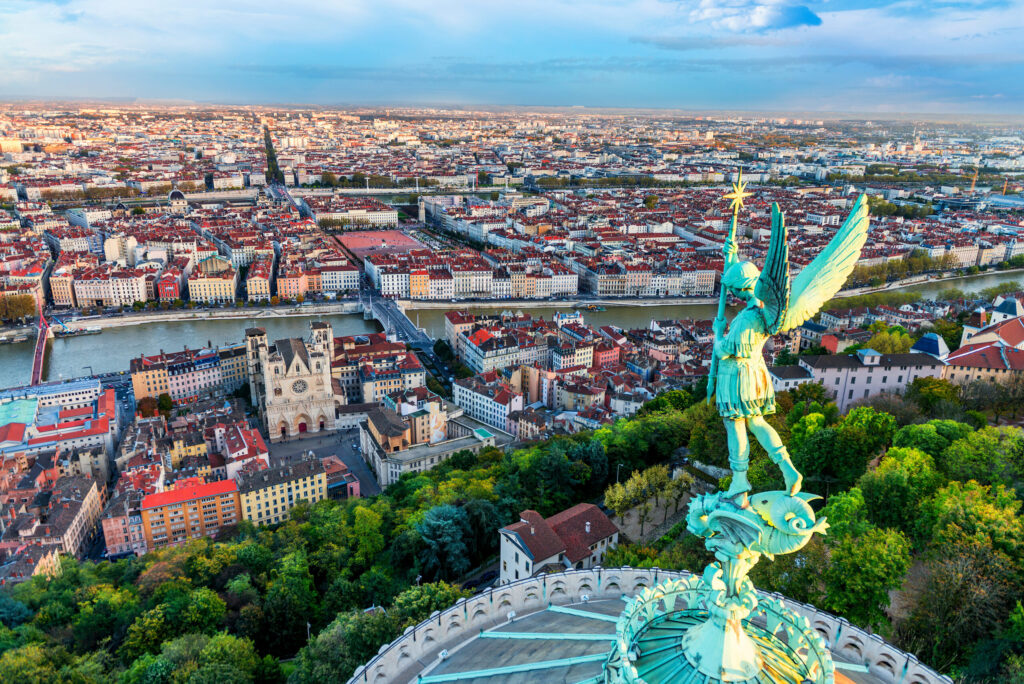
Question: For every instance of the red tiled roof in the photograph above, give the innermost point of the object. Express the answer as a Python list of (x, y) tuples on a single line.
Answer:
[(188, 493)]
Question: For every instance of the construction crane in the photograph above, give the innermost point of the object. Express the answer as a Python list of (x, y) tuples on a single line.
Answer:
[(1006, 181), (975, 179)]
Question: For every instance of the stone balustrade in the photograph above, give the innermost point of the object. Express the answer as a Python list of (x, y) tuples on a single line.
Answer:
[(407, 656)]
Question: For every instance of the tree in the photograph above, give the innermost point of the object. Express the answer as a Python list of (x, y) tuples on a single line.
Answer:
[(923, 437), (834, 455), (809, 392), (969, 591), (878, 426), (983, 395), (484, 519), (673, 400), (893, 492), (443, 531), (15, 307), (890, 342), (949, 331), (707, 441), (367, 534), (145, 634), (803, 428), (164, 403), (290, 603), (991, 455), (651, 201), (643, 513), (905, 412), (416, 603), (927, 393), (348, 642), (862, 572), (147, 407), (656, 479), (678, 489), (13, 612), (970, 510), (616, 499), (798, 575), (847, 516)]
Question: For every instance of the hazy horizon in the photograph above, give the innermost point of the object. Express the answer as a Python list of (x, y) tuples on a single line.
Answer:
[(878, 58)]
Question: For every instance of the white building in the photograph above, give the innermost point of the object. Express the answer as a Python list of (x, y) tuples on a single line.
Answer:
[(490, 402), (848, 379), (577, 538)]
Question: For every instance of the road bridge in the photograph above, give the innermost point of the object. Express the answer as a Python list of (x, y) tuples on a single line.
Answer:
[(43, 334)]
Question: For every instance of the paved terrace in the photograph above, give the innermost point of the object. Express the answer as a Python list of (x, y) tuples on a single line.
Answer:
[(500, 635)]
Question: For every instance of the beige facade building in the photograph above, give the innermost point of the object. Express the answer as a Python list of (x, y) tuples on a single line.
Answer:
[(268, 496)]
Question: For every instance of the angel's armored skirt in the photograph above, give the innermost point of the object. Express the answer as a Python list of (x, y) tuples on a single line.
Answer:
[(743, 388)]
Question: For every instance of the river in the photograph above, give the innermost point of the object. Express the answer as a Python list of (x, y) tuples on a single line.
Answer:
[(115, 347), (641, 316)]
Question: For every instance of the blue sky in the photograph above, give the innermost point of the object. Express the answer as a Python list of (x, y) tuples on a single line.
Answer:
[(815, 55)]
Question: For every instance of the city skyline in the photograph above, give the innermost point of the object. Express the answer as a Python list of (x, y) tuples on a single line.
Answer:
[(876, 56)]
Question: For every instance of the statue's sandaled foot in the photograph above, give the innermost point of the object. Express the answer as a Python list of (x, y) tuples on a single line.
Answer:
[(792, 477), (739, 488), (794, 480)]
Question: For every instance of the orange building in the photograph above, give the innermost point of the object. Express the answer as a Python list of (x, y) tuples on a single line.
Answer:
[(419, 284), (189, 511)]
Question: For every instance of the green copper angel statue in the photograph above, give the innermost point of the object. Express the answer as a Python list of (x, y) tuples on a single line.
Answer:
[(739, 379)]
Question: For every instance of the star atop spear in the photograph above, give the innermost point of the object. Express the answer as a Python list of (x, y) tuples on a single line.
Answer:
[(738, 194)]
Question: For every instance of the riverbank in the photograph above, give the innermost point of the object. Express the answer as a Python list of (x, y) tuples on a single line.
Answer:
[(582, 303), (567, 304), (244, 313)]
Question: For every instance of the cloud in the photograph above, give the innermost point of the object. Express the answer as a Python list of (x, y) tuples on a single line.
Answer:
[(754, 15)]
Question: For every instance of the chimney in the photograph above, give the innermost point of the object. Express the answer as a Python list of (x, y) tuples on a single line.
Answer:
[(587, 527), (533, 529)]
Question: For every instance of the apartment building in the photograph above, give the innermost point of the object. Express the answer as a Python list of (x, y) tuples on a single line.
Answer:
[(485, 350), (191, 510), (123, 532), (64, 515), (487, 399), (213, 288), (189, 374), (848, 379), (268, 496)]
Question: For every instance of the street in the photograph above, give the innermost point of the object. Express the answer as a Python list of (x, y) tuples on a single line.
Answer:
[(337, 443)]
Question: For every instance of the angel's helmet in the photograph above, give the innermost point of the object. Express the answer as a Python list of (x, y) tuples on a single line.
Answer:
[(741, 277)]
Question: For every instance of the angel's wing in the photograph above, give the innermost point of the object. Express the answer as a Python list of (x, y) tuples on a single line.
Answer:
[(773, 286), (824, 276)]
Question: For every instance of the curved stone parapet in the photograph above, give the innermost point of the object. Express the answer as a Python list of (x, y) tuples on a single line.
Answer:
[(418, 647)]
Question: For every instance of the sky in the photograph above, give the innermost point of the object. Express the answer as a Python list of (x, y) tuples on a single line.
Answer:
[(884, 56)]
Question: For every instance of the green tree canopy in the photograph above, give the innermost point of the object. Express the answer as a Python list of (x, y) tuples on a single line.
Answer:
[(862, 572), (894, 491), (992, 455)]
